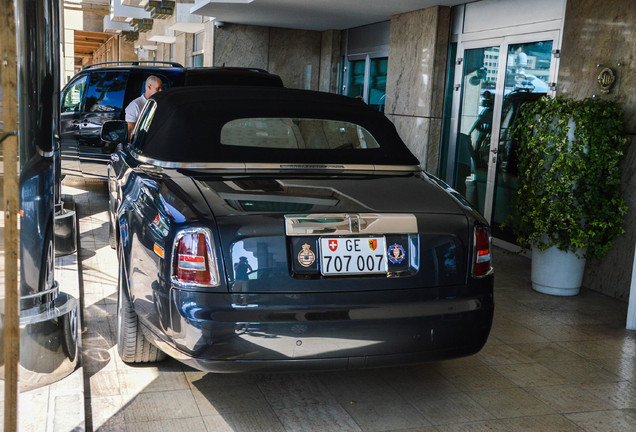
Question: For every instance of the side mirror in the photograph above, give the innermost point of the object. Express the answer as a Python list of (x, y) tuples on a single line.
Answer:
[(114, 132)]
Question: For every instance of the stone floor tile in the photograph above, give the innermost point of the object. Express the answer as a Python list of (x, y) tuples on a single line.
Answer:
[(598, 349), (501, 355), (478, 377), (487, 426), (317, 418), (290, 391), (451, 408), (192, 424), (160, 406), (530, 374), (604, 421), (621, 395), (151, 379), (510, 402), (570, 398), (546, 351), (513, 334), (205, 380), (229, 399), (546, 423), (388, 416), (105, 382), (107, 413), (414, 381), (556, 332), (583, 372), (623, 367), (262, 420), (368, 387)]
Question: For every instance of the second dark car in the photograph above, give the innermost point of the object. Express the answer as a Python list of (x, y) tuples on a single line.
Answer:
[(279, 229), (101, 92)]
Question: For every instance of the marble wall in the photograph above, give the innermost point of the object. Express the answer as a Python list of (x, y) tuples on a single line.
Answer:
[(605, 33), (241, 45), (329, 61), (418, 52), (295, 56)]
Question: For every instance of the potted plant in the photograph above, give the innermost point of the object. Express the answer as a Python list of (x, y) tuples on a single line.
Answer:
[(569, 205)]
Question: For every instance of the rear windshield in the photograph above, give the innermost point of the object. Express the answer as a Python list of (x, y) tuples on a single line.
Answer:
[(296, 133)]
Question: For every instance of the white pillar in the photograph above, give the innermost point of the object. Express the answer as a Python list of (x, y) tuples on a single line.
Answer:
[(631, 310)]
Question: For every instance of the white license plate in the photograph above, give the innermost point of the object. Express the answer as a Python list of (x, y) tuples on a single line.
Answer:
[(352, 255)]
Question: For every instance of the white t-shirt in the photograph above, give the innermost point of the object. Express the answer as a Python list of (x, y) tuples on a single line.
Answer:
[(134, 108)]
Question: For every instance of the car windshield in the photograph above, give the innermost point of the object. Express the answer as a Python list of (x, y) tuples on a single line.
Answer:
[(296, 133)]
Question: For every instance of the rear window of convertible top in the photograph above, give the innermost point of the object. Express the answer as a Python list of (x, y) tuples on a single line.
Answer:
[(296, 133)]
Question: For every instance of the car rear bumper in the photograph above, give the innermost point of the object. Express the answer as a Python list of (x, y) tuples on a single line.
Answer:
[(284, 332)]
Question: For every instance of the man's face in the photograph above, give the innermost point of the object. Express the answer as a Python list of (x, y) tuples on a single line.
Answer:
[(153, 87)]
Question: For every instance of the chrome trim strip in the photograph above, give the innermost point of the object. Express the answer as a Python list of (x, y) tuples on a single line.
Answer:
[(254, 166), (54, 290), (346, 224)]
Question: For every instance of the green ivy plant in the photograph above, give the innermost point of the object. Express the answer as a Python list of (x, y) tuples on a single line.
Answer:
[(569, 175)]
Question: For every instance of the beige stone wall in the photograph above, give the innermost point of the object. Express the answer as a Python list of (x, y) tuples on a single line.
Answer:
[(604, 33), (329, 61), (295, 55), (418, 52), (241, 45), (126, 50)]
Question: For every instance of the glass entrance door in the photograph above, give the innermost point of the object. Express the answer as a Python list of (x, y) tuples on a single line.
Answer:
[(479, 83), (498, 78), (526, 80)]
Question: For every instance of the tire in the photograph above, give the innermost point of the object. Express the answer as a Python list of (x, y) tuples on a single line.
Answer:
[(132, 345)]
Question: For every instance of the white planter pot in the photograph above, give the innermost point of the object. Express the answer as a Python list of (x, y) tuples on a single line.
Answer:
[(556, 272)]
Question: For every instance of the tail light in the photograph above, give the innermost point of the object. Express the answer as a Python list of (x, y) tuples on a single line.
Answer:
[(482, 256), (194, 261)]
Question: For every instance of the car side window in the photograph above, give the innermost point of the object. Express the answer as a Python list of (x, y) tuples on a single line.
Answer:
[(106, 91), (72, 97)]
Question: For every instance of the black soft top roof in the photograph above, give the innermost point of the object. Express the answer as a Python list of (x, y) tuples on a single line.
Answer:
[(188, 120)]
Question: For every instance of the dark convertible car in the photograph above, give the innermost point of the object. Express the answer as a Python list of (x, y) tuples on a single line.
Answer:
[(279, 229)]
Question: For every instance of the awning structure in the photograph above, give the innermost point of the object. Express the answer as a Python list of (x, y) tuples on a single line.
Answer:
[(86, 43)]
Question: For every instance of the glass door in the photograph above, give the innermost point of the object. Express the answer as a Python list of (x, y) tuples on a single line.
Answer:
[(498, 77), (527, 78), (479, 83)]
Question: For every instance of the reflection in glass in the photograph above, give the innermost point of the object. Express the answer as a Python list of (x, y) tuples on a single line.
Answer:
[(527, 76), (72, 97), (355, 78), (475, 123), (377, 83), (106, 91)]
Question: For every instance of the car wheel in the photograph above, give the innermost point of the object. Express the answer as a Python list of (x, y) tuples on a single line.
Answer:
[(132, 345)]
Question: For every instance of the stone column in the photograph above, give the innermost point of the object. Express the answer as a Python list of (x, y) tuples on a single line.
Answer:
[(605, 34), (329, 61), (418, 53)]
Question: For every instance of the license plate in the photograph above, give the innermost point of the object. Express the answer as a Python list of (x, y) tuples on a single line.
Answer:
[(352, 255)]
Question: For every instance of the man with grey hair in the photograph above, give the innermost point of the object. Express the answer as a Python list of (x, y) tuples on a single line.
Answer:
[(152, 85)]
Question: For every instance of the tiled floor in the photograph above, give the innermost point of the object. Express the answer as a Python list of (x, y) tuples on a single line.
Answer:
[(551, 364)]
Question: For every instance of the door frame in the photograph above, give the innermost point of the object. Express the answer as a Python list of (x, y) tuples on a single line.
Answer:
[(503, 42)]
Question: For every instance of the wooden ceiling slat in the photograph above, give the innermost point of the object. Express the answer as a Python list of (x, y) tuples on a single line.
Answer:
[(87, 42)]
